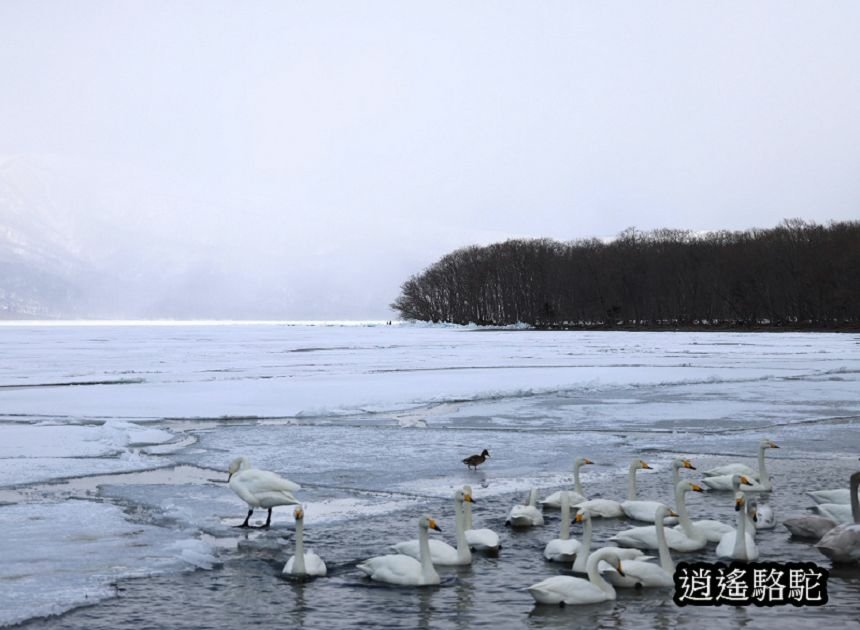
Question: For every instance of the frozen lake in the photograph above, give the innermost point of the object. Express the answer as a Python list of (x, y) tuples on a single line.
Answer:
[(114, 443)]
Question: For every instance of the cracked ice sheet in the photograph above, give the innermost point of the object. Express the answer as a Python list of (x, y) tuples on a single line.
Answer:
[(58, 556)]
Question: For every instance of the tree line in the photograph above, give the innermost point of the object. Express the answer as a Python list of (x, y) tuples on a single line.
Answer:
[(797, 274)]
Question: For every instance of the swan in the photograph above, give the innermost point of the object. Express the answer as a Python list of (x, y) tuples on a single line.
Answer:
[(441, 552), (842, 543), (646, 510), (839, 495), (720, 478), (577, 496), (478, 539), (715, 530), (260, 488), (405, 570), (687, 538), (564, 589), (607, 508), (526, 515), (838, 512), (303, 562), (563, 548), (739, 545), (640, 573), (580, 565), (763, 516), (809, 526)]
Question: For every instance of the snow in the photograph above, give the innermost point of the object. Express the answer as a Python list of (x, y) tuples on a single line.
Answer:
[(370, 419)]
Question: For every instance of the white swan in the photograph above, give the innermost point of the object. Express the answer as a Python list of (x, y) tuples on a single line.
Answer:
[(738, 544), (839, 495), (303, 562), (646, 511), (640, 573), (478, 539), (687, 538), (840, 513), (526, 515), (580, 565), (564, 589), (563, 548), (553, 501), (763, 516), (405, 570), (809, 526), (842, 543), (441, 552), (715, 530), (260, 488), (720, 478), (607, 508)]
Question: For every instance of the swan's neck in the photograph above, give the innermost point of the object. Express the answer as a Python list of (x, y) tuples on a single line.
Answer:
[(581, 563), (631, 482), (464, 554), (594, 574), (565, 516), (576, 485), (681, 507), (740, 550), (762, 471), (427, 570), (532, 498), (467, 516), (676, 475), (663, 548), (855, 500), (299, 562)]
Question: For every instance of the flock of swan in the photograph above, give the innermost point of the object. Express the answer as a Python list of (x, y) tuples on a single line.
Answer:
[(620, 565)]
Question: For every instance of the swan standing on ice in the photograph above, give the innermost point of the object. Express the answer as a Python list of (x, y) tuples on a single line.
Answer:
[(553, 501), (842, 543), (441, 552), (303, 562), (405, 570), (687, 538), (646, 511), (260, 488), (720, 478), (738, 544), (526, 515), (564, 548), (479, 539), (564, 589), (640, 573)]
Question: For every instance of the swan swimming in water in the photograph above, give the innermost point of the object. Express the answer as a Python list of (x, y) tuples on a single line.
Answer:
[(687, 538), (580, 565), (640, 573), (405, 570), (842, 543), (526, 515), (564, 548), (479, 539), (720, 478), (607, 508), (553, 501), (303, 562), (564, 589), (739, 544), (646, 511), (442, 553), (260, 488)]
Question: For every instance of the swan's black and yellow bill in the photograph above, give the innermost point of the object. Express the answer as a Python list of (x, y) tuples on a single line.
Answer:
[(688, 464), (431, 523)]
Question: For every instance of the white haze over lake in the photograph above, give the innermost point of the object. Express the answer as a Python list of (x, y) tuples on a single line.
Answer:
[(270, 159)]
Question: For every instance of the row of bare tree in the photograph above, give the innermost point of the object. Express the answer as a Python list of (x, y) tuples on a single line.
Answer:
[(796, 274)]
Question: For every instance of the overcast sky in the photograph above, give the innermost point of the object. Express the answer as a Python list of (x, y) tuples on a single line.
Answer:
[(338, 147)]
